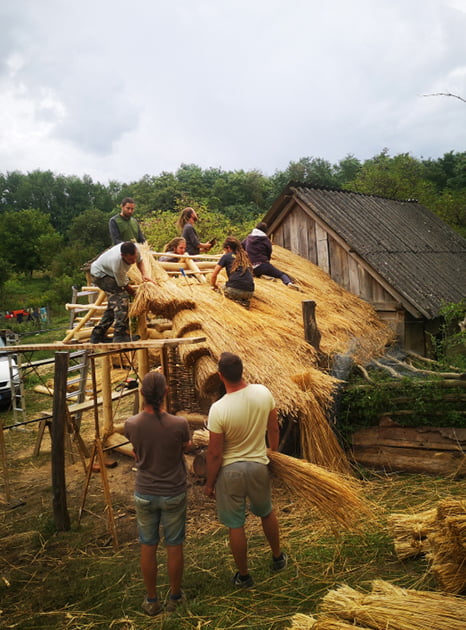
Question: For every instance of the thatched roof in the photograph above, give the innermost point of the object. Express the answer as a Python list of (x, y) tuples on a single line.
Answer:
[(270, 339)]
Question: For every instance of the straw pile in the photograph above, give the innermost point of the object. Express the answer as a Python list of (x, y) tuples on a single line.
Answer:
[(389, 607), (439, 533), (333, 495), (308, 622), (448, 546), (411, 532)]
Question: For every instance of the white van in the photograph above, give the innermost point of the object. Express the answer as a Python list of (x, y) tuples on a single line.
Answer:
[(5, 385)]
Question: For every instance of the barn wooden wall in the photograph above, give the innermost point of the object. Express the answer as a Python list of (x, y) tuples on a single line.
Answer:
[(300, 233)]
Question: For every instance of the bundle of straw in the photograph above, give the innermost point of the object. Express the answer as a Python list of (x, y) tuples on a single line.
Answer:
[(162, 300), (392, 608), (334, 495), (200, 437), (308, 622), (411, 532), (448, 546)]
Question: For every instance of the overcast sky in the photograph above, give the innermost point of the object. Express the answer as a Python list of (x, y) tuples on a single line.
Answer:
[(118, 89)]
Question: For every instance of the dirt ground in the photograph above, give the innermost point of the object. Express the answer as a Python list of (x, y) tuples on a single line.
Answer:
[(31, 495)]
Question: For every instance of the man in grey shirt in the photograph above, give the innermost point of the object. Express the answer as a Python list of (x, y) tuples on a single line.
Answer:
[(109, 273)]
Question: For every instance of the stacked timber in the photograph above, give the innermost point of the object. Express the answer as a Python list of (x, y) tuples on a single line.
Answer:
[(391, 447)]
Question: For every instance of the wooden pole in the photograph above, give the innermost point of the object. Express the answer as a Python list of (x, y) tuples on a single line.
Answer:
[(92, 309), (311, 332), (60, 510), (107, 409), (6, 479)]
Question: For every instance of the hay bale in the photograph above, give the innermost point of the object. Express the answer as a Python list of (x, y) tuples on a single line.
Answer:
[(392, 608), (448, 546), (333, 495), (411, 532)]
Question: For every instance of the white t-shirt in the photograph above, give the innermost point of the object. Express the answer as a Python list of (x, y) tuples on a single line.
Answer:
[(110, 263), (242, 417)]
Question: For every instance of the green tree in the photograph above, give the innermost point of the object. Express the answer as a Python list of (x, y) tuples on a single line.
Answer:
[(90, 230), (400, 177), (28, 242)]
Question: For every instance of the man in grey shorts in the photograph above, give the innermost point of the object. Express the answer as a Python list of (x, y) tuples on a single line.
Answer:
[(237, 462)]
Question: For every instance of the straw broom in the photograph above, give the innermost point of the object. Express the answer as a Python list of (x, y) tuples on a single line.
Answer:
[(392, 608), (334, 495)]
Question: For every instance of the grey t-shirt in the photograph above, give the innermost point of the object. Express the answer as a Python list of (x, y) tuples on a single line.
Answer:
[(158, 445)]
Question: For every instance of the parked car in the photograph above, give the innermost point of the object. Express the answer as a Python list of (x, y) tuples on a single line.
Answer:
[(5, 385)]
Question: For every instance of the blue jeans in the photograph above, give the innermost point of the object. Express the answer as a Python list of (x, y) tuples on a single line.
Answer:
[(153, 511)]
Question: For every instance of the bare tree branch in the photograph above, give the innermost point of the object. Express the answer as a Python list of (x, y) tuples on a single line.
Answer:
[(446, 94)]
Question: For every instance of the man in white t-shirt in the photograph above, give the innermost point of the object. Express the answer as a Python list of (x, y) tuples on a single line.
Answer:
[(109, 273), (237, 462)]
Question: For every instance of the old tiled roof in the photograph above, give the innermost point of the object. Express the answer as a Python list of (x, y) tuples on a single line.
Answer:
[(418, 254)]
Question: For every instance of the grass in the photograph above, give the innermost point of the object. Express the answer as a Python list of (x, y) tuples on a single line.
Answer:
[(76, 580)]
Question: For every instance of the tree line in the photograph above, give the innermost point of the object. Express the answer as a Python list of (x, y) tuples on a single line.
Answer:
[(54, 223)]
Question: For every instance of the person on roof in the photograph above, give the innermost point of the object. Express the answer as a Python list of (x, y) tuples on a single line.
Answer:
[(176, 246), (109, 273), (259, 249), (123, 226), (240, 284), (186, 221)]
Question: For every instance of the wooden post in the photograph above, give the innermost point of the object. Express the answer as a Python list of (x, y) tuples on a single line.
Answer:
[(107, 409), (60, 511), (311, 332)]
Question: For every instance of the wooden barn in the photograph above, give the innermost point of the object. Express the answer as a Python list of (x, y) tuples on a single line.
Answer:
[(397, 255)]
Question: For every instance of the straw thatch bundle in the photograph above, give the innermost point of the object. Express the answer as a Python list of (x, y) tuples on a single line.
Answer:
[(332, 494), (411, 532), (308, 622), (302, 622), (164, 300), (200, 437), (448, 546), (392, 608)]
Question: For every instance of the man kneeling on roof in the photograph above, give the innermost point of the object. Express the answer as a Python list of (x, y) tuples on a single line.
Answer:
[(108, 272), (240, 284)]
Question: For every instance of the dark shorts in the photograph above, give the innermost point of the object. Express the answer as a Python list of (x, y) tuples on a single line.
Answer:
[(238, 482), (153, 511)]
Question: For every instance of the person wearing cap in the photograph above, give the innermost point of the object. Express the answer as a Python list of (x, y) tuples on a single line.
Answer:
[(159, 440), (186, 221)]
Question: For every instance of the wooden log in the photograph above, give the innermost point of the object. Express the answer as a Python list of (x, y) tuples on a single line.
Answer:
[(200, 465), (433, 438), (197, 420), (311, 332), (413, 460), (60, 510), (119, 443), (84, 307), (107, 408), (100, 298), (192, 266)]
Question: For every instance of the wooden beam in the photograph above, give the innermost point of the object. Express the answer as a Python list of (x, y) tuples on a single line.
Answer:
[(110, 347), (60, 510)]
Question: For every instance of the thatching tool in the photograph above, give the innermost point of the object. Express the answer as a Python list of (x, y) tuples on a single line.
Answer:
[(186, 278)]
